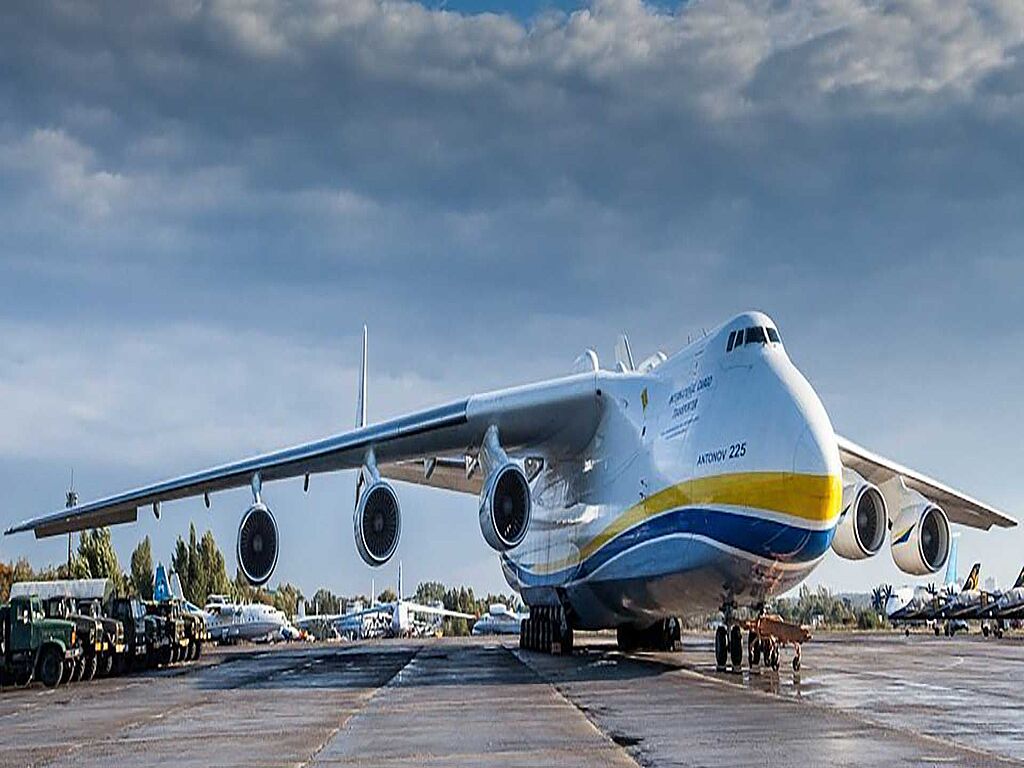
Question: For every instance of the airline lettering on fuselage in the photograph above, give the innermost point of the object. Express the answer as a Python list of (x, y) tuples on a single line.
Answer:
[(684, 401)]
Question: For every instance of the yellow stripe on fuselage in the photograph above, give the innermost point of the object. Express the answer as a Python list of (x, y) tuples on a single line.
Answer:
[(814, 498)]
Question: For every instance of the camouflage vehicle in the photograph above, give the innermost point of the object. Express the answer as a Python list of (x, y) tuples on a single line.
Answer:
[(168, 641), (171, 611), (113, 636), (132, 615), (195, 631), (33, 646)]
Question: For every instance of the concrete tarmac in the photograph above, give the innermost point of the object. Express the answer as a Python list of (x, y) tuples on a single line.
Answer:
[(860, 700)]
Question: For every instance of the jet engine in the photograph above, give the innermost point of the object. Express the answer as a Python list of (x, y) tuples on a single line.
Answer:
[(505, 507), (864, 519), (378, 523), (920, 531), (257, 544)]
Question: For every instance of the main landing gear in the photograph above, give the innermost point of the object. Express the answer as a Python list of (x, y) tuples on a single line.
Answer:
[(546, 630), (765, 637), (663, 635)]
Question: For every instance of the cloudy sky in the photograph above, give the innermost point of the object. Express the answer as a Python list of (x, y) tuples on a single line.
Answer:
[(202, 202)]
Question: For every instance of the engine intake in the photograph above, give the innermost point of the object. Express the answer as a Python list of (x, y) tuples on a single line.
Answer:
[(920, 538), (505, 507), (378, 524), (863, 523), (257, 548)]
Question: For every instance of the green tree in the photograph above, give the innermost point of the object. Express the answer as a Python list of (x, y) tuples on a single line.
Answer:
[(142, 570), (323, 601), (180, 565), (286, 598), (430, 591), (213, 568), (196, 577), (387, 596)]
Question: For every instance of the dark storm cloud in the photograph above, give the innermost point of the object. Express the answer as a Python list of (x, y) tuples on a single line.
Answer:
[(223, 192)]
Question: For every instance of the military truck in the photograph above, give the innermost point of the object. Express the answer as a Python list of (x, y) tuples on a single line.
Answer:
[(132, 615), (33, 646), (113, 636), (90, 636), (58, 599), (169, 633)]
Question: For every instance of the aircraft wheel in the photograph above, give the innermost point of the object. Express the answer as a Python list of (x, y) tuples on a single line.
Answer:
[(736, 646), (984, 630), (721, 647), (753, 649), (937, 630), (773, 662), (625, 638), (796, 663)]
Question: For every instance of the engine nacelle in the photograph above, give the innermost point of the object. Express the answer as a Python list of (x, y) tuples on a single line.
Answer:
[(257, 547), (920, 536), (378, 523), (505, 507), (864, 519)]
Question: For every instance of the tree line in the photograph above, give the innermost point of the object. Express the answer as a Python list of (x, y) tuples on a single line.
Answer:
[(202, 570)]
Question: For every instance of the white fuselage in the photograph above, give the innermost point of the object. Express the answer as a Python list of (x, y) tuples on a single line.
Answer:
[(713, 480), (228, 622)]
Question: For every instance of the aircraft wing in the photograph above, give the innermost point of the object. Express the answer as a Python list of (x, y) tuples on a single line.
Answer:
[(552, 419), (431, 610), (959, 507)]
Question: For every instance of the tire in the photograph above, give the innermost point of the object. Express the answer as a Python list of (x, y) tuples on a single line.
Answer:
[(774, 662), (754, 649), (796, 663), (199, 651), (736, 646), (79, 670), (721, 647), (91, 665), (51, 668), (625, 638), (106, 665)]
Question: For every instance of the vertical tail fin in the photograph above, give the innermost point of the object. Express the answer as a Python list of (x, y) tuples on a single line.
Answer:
[(161, 588), (972, 578), (176, 589), (624, 354), (361, 396), (1020, 580), (951, 562)]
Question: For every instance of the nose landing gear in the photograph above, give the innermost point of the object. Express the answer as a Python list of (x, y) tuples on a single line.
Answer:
[(765, 637)]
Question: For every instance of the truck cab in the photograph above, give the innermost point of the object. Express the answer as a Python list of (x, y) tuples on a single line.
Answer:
[(90, 636), (132, 615), (113, 635), (34, 646)]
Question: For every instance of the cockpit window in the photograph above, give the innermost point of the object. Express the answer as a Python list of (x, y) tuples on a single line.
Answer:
[(756, 335), (732, 338), (774, 336)]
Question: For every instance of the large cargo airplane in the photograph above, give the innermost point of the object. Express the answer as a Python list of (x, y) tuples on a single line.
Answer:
[(705, 481)]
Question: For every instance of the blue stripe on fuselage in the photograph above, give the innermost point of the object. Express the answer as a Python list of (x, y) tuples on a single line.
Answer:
[(757, 536)]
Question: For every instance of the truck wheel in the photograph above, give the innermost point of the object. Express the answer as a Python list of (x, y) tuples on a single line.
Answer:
[(51, 668), (106, 665), (90, 668)]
